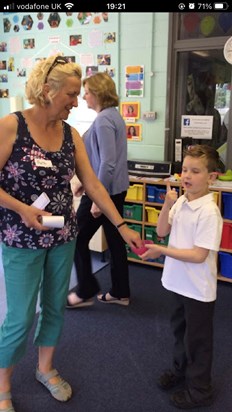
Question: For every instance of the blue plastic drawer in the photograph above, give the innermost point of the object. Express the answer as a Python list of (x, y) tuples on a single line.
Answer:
[(225, 260), (227, 205), (151, 193)]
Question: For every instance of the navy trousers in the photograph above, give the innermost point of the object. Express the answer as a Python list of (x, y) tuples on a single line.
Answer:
[(192, 325)]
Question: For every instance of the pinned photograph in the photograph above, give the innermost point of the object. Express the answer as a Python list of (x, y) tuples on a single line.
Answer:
[(104, 59), (133, 131), (130, 110), (91, 70), (75, 39)]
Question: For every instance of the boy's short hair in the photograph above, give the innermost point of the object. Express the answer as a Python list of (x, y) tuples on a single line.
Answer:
[(204, 151)]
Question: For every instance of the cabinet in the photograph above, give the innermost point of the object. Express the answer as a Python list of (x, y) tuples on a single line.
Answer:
[(225, 252), (142, 206)]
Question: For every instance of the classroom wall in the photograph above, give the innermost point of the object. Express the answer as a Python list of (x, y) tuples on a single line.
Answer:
[(141, 40), (144, 40)]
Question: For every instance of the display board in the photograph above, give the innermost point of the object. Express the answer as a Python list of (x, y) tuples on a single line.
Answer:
[(89, 39)]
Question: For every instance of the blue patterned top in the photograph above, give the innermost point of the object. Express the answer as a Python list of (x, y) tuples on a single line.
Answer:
[(25, 181)]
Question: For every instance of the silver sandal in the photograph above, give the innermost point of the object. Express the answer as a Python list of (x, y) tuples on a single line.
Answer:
[(4, 396), (61, 391)]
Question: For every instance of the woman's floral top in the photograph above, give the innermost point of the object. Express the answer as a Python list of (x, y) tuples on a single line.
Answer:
[(30, 171)]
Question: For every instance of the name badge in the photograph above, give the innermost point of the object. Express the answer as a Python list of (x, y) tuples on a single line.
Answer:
[(43, 163)]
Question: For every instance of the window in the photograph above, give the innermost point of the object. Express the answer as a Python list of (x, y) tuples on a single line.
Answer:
[(200, 82), (204, 25)]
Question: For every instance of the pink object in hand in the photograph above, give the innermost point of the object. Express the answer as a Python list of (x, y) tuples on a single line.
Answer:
[(140, 250)]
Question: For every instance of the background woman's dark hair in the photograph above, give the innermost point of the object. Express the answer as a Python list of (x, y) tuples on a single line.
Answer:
[(133, 130)]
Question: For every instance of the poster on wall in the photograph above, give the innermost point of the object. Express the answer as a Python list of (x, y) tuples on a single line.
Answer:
[(134, 131), (197, 127), (91, 70), (134, 82), (130, 110), (89, 39)]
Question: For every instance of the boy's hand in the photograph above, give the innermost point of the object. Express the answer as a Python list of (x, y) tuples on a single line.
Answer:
[(140, 250), (153, 252), (171, 196)]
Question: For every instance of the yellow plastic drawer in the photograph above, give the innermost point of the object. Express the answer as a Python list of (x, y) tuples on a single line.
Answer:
[(135, 192), (152, 214)]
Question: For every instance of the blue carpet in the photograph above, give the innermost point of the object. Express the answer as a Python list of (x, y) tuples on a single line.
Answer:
[(112, 355), (99, 261)]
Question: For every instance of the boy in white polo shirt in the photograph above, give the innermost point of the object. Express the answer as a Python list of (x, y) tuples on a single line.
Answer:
[(190, 273)]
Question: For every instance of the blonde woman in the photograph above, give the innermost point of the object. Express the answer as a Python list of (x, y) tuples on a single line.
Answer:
[(40, 152)]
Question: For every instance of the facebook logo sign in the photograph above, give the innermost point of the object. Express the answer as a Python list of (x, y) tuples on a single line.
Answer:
[(186, 122)]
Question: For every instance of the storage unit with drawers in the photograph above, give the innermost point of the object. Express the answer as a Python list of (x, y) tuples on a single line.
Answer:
[(143, 203)]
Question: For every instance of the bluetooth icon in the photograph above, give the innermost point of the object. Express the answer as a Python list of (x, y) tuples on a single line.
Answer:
[(181, 6)]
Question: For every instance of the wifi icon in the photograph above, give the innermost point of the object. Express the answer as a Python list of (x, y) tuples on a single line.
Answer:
[(69, 5)]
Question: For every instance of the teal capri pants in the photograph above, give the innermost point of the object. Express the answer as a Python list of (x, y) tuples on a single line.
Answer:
[(28, 274)]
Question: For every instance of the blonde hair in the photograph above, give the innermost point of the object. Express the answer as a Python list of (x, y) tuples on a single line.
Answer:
[(103, 87), (56, 78)]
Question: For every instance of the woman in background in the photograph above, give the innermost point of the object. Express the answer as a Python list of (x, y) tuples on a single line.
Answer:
[(106, 145)]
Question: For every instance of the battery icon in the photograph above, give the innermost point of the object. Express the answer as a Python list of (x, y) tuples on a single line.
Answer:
[(220, 6)]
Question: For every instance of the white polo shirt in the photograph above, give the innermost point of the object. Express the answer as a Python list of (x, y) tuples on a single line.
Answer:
[(198, 223)]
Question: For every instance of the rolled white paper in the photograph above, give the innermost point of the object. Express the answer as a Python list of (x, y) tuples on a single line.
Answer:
[(52, 221)]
